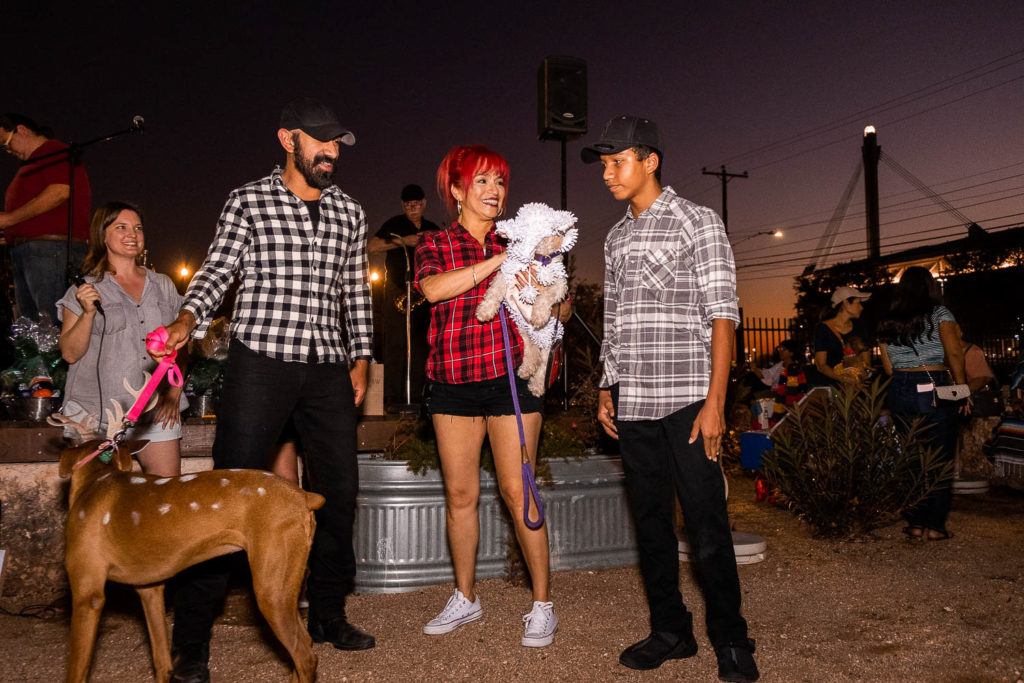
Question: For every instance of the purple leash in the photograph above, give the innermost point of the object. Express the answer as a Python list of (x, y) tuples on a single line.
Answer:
[(529, 485)]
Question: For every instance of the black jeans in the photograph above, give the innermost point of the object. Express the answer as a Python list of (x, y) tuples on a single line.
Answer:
[(260, 393), (906, 403), (659, 464)]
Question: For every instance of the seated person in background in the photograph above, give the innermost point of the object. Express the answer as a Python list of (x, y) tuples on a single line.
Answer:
[(784, 354), (791, 385)]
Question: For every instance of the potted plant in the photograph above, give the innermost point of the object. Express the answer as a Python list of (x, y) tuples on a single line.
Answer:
[(400, 537)]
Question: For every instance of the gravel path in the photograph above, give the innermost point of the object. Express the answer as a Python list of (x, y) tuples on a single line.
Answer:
[(880, 609)]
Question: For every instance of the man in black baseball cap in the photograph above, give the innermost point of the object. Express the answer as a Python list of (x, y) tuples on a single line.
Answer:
[(664, 400), (623, 132), (404, 363), (316, 120), (302, 339)]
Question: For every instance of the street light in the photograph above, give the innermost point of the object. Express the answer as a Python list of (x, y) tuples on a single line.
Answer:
[(777, 234)]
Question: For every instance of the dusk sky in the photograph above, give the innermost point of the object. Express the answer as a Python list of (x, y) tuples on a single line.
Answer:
[(780, 89)]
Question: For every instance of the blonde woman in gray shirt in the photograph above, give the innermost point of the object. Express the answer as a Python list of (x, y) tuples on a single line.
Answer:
[(104, 323)]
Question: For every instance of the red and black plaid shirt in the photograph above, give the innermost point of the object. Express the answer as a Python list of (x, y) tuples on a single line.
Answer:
[(462, 349)]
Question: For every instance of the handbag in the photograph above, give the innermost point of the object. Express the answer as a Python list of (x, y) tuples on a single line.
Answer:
[(987, 401), (952, 392)]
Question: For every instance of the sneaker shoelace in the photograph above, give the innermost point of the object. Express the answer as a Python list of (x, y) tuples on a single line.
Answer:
[(537, 620), (455, 604)]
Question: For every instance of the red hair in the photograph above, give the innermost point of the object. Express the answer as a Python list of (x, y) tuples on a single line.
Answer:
[(461, 164)]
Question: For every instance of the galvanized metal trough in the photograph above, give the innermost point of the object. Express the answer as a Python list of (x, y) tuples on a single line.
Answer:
[(400, 541)]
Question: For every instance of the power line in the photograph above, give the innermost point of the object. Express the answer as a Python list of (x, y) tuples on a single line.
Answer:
[(876, 109), (894, 221), (789, 224), (888, 244)]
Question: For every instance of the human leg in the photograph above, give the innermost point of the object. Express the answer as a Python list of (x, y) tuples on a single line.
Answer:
[(701, 490), (43, 266), (459, 440), (649, 492), (284, 462), (504, 439), (325, 420), (907, 403), (162, 458), (258, 396), (21, 261)]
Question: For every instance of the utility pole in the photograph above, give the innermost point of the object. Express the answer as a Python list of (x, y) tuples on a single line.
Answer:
[(871, 152), (725, 178)]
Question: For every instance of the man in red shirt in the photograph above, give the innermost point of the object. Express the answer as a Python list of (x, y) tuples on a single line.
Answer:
[(34, 222)]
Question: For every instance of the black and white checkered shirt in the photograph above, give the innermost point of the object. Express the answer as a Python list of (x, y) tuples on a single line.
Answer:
[(668, 273), (297, 283)]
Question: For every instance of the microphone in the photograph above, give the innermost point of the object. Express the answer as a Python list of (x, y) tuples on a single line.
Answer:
[(79, 280), (138, 123)]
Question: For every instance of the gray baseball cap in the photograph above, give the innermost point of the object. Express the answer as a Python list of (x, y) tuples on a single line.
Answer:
[(315, 119), (623, 132)]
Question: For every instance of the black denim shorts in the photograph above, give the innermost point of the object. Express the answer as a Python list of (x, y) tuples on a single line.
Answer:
[(491, 397)]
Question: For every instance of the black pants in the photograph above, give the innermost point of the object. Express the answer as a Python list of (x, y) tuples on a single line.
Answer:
[(260, 393), (658, 464), (907, 403)]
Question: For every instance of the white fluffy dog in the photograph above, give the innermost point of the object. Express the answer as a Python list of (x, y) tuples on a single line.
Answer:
[(537, 237)]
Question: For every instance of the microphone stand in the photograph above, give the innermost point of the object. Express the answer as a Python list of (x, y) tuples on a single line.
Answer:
[(73, 152), (408, 406)]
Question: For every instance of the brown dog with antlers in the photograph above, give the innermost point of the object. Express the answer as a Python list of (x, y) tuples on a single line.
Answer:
[(142, 529)]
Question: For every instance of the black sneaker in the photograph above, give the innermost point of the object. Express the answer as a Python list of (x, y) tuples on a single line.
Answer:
[(736, 662), (340, 633), (655, 649), (191, 664)]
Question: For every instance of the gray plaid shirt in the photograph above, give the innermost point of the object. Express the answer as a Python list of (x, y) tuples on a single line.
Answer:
[(294, 279), (668, 273)]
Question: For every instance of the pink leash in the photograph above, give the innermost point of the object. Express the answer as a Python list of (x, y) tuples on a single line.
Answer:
[(155, 341)]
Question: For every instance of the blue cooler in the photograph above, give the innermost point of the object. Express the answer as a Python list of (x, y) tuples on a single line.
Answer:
[(752, 445)]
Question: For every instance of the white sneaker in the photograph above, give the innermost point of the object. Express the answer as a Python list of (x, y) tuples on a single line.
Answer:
[(457, 612), (541, 624)]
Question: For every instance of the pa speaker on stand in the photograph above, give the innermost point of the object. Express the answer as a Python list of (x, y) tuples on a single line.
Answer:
[(562, 98)]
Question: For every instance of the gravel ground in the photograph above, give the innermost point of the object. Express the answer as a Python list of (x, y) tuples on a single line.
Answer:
[(878, 609)]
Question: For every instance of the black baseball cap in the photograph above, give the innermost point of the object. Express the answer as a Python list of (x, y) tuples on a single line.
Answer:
[(315, 119), (623, 132), (412, 193)]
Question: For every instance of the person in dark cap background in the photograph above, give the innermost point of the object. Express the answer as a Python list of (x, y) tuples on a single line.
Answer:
[(670, 314), (296, 243), (397, 238)]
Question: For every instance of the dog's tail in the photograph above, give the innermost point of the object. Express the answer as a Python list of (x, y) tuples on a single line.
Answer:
[(314, 501)]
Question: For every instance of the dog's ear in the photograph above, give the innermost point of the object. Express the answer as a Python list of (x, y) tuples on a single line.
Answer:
[(127, 450), (71, 455)]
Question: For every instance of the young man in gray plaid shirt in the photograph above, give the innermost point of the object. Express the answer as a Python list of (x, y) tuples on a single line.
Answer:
[(669, 317), (297, 245)]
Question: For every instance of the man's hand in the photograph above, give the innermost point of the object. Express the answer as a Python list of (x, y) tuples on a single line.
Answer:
[(710, 424), (177, 335), (358, 373), (606, 412)]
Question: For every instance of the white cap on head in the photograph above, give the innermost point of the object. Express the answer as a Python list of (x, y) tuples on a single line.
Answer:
[(844, 293)]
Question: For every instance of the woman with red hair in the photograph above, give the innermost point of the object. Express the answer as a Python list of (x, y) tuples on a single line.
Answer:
[(469, 395)]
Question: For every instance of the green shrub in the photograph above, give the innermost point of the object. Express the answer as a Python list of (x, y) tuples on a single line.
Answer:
[(414, 441), (846, 471)]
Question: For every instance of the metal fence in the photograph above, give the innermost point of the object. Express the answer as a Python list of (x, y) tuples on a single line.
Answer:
[(757, 338)]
